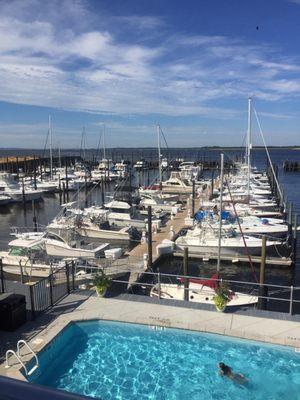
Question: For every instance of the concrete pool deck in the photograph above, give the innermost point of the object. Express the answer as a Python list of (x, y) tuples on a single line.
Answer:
[(276, 331)]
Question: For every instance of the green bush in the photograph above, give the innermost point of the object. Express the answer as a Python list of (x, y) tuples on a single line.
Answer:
[(222, 296), (101, 281)]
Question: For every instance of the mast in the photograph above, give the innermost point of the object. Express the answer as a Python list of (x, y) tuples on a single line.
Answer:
[(50, 139), (59, 155), (249, 144), (103, 139), (220, 219), (159, 154)]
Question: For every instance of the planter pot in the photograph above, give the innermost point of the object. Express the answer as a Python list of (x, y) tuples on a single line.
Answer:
[(221, 309), (102, 293)]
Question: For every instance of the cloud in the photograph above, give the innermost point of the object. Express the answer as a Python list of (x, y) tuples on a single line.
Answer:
[(63, 54)]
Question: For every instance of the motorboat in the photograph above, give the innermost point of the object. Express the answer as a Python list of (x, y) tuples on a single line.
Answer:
[(89, 228), (140, 165), (27, 257), (159, 204), (176, 184), (12, 189), (199, 292), (206, 241)]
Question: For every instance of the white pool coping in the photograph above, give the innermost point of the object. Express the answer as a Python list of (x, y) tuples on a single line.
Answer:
[(282, 332)]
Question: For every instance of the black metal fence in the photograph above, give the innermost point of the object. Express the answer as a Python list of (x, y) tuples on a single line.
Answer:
[(48, 291)]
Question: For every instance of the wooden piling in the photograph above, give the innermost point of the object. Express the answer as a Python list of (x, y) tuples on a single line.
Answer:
[(262, 302)]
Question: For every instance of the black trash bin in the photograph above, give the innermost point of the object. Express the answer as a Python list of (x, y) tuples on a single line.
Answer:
[(12, 311)]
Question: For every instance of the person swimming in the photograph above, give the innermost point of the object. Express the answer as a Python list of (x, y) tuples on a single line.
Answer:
[(225, 370)]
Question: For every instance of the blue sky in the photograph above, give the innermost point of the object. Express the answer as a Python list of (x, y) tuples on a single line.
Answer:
[(189, 65)]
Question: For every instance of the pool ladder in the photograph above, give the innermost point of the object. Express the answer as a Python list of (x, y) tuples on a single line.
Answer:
[(18, 356)]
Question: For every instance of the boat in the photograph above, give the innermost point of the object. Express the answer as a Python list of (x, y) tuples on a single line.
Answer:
[(27, 257), (232, 244), (59, 247), (199, 292), (140, 165), (12, 189), (175, 184), (4, 200), (104, 230)]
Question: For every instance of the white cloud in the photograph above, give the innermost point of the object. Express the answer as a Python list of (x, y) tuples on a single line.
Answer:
[(59, 54)]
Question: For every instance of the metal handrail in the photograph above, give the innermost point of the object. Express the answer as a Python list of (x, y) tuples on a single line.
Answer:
[(17, 357), (30, 349)]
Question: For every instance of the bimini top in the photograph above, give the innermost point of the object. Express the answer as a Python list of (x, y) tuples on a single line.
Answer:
[(118, 204)]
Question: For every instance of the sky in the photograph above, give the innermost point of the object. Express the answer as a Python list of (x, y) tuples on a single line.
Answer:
[(130, 64)]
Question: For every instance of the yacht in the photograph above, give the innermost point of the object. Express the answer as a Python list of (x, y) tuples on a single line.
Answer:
[(12, 189), (176, 184), (206, 242), (199, 292), (190, 171), (140, 164), (122, 169)]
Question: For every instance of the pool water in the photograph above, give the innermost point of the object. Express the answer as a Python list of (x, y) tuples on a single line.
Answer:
[(109, 360)]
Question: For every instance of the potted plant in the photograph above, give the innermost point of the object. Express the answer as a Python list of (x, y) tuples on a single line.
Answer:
[(102, 282), (222, 296)]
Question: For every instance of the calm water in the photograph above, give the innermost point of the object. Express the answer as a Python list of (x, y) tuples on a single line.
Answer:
[(46, 210), (131, 362)]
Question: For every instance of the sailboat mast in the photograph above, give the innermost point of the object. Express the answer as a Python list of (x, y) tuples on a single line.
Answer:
[(220, 206), (50, 139), (159, 154), (249, 147), (104, 144)]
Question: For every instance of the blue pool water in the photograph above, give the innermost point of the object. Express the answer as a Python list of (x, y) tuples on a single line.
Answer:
[(125, 361)]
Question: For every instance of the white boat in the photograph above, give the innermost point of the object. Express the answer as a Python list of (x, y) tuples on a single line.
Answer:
[(206, 242), (27, 257), (12, 189), (159, 204), (140, 164), (123, 214), (4, 200), (99, 231), (175, 184), (57, 246), (199, 293), (122, 169), (190, 171), (164, 163)]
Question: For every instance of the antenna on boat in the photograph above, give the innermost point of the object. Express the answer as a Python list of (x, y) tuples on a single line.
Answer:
[(220, 219), (50, 140), (159, 154), (249, 145)]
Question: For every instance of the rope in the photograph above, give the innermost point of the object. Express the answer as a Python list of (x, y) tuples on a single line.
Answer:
[(240, 228)]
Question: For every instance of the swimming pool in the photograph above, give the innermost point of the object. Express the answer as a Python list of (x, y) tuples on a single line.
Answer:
[(110, 360)]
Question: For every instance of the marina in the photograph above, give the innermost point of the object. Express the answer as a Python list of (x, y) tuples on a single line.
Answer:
[(149, 200)]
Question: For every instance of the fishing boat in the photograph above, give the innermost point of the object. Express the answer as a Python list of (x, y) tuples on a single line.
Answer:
[(200, 291)]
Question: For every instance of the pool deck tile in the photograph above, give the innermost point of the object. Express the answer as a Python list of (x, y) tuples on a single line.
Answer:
[(281, 332)]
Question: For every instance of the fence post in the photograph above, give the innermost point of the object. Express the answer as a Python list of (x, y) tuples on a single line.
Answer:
[(291, 300), (186, 273), (2, 276), (158, 283), (51, 289), (73, 275), (32, 302), (68, 278)]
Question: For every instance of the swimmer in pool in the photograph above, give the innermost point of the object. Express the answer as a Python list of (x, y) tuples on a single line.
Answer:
[(225, 370)]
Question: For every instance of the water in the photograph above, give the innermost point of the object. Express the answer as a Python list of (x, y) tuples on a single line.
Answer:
[(115, 361), (46, 210)]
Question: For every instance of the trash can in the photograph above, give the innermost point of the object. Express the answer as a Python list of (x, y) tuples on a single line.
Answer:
[(12, 311)]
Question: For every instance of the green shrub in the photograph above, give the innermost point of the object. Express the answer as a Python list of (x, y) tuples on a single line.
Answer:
[(222, 296), (101, 281)]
